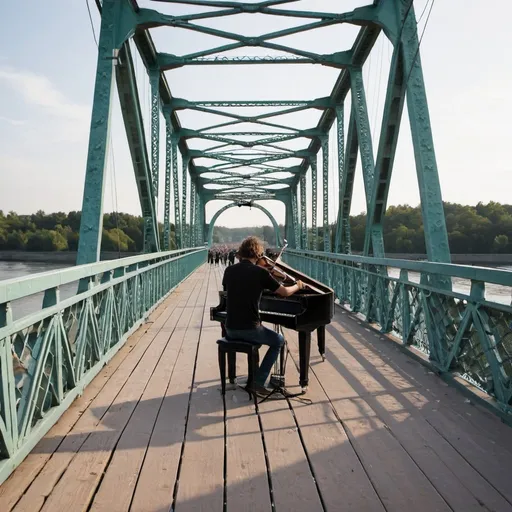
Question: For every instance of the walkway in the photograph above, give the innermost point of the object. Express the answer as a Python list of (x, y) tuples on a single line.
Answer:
[(151, 434)]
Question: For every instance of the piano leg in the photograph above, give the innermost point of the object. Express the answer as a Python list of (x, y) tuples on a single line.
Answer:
[(320, 332), (232, 367), (304, 352)]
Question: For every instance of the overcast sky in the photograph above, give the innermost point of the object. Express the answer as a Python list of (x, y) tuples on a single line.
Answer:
[(47, 72)]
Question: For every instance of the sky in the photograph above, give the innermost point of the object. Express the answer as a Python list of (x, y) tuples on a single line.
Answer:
[(47, 72)]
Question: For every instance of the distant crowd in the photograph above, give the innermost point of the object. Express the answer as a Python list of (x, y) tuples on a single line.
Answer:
[(225, 255)]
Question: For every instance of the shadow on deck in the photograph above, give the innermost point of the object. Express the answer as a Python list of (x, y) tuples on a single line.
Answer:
[(151, 433)]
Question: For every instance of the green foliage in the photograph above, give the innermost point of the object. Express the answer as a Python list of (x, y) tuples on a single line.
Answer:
[(60, 232), (484, 228), (480, 229)]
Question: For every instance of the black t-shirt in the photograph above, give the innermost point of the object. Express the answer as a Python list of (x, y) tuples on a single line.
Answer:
[(244, 283)]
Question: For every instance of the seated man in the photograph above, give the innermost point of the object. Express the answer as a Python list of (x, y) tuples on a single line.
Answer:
[(244, 284)]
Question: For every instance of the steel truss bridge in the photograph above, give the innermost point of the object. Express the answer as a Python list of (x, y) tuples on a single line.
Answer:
[(445, 315)]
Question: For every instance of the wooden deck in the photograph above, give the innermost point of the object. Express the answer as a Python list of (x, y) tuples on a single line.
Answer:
[(151, 433)]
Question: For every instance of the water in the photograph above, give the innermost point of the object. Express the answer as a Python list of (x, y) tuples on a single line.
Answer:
[(32, 303)]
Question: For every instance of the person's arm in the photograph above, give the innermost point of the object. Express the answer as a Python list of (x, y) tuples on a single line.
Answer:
[(286, 291)]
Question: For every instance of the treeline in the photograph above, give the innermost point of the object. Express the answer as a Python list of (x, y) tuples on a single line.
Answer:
[(480, 229), (59, 232)]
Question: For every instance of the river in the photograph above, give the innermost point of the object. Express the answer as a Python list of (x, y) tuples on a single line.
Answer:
[(13, 269)]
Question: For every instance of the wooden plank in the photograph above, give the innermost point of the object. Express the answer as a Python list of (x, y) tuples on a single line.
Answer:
[(450, 438), (435, 458), (330, 453), (116, 489), (48, 475), (398, 481), (157, 477), (292, 480), (433, 388), (15, 486), (201, 479), (94, 447), (247, 488)]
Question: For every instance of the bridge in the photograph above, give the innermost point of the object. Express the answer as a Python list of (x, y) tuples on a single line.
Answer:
[(109, 388)]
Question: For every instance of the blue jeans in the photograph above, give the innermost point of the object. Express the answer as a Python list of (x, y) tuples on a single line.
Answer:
[(263, 336)]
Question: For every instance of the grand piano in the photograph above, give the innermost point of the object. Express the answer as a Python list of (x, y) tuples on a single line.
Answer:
[(307, 310)]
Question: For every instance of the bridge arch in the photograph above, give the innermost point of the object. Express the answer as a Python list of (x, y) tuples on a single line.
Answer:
[(253, 205)]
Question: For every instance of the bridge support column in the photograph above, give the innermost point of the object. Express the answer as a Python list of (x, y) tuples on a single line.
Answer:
[(303, 218), (314, 202), (154, 77), (185, 233), (341, 174), (347, 183), (295, 218), (91, 224), (325, 192), (175, 187), (434, 222), (168, 164)]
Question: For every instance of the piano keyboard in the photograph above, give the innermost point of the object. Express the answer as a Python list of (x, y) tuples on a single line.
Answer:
[(287, 315)]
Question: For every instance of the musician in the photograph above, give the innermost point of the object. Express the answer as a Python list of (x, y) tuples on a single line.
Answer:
[(244, 283)]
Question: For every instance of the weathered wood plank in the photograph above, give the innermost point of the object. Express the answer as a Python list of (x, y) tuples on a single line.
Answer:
[(292, 480), (116, 489), (157, 477), (411, 414), (19, 481), (75, 487), (73, 440), (330, 452), (397, 479), (201, 480)]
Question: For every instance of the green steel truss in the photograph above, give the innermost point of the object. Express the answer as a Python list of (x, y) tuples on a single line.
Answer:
[(247, 157)]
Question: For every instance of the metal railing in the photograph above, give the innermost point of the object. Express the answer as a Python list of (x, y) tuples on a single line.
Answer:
[(49, 355), (459, 316)]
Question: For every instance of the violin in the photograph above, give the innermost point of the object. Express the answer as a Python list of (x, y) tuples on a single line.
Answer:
[(274, 271)]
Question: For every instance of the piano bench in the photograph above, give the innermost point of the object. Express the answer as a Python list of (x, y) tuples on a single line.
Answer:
[(230, 348)]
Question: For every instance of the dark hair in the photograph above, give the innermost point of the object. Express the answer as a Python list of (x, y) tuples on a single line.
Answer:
[(250, 248)]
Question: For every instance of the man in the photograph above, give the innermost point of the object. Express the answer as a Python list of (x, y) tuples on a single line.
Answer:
[(244, 284)]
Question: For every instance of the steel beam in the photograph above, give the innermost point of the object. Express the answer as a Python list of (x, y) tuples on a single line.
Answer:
[(314, 202), (303, 210), (325, 192), (434, 222), (91, 224), (168, 165), (185, 238), (393, 107), (340, 129), (175, 187)]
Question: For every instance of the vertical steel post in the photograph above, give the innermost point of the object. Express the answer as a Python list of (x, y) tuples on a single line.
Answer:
[(175, 186), (303, 218), (91, 223), (168, 161), (154, 77), (363, 130), (185, 238), (325, 192), (314, 202), (295, 217), (341, 169), (434, 222), (193, 220)]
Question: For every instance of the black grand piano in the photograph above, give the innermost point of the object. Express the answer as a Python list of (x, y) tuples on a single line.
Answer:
[(307, 310)]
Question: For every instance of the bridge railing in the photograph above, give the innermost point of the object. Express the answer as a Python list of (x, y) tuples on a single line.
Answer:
[(459, 316), (58, 329)]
